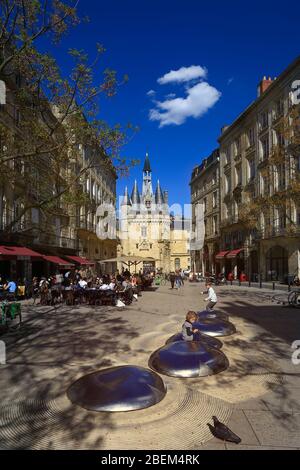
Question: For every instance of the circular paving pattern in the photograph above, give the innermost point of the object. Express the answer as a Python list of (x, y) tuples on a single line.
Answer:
[(122, 388), (188, 359), (57, 424)]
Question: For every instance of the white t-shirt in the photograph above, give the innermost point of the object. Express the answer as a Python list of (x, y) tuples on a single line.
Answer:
[(211, 295), (82, 283)]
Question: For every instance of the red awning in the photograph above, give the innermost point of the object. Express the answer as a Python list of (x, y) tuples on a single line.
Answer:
[(16, 251), (222, 254), (58, 261), (81, 261), (234, 253)]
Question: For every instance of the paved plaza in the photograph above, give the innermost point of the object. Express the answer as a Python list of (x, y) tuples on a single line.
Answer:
[(258, 396)]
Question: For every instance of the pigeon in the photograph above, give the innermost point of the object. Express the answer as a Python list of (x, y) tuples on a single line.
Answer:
[(222, 432)]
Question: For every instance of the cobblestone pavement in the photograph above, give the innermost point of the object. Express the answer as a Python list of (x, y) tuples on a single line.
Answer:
[(258, 396)]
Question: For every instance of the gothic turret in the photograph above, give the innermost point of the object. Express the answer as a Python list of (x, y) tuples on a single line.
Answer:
[(147, 194), (147, 167), (126, 199), (135, 195), (159, 197)]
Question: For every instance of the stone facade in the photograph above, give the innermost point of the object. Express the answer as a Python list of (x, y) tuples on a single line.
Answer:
[(205, 191), (99, 185), (269, 249), (147, 229)]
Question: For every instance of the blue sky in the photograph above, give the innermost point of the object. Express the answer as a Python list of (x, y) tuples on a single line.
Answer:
[(234, 43)]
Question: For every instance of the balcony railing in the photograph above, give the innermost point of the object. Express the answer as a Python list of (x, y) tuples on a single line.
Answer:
[(271, 232), (88, 226), (229, 221)]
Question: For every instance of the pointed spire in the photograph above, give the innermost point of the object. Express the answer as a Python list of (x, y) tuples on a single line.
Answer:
[(147, 166), (159, 197), (126, 199), (135, 195)]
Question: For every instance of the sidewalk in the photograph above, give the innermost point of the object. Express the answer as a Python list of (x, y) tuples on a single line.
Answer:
[(258, 396)]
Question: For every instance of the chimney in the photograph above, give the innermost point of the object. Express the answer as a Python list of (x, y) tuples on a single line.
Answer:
[(224, 128), (263, 85)]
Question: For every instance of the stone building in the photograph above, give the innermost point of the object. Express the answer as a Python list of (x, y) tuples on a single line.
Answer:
[(205, 191), (99, 185), (147, 229), (271, 247), (32, 241)]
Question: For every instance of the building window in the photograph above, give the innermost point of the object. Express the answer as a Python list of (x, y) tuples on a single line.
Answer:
[(262, 222), (177, 263), (215, 224), (238, 174), (205, 204), (237, 147), (215, 199), (251, 136), (227, 184), (4, 213), (279, 108), (227, 155), (263, 121), (251, 169), (226, 211), (265, 150)]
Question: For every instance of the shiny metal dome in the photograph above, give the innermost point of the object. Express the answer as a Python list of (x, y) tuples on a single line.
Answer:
[(204, 339), (212, 315), (188, 359), (215, 327), (122, 388)]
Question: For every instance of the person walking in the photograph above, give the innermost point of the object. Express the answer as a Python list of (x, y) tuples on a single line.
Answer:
[(177, 280), (172, 279)]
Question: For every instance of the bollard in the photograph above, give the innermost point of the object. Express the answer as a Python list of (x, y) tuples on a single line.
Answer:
[(240, 282), (231, 282), (249, 283), (289, 287), (273, 285), (260, 283)]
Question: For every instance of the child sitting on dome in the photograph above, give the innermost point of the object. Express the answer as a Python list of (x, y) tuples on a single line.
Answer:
[(188, 332)]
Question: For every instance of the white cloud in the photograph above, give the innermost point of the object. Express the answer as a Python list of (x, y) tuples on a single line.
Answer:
[(184, 74), (170, 95), (200, 98), (150, 93), (230, 80)]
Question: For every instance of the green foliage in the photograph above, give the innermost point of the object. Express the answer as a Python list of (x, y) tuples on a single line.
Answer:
[(50, 114)]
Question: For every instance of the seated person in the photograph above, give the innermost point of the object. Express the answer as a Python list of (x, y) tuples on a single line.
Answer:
[(82, 283), (108, 285), (188, 332), (11, 287)]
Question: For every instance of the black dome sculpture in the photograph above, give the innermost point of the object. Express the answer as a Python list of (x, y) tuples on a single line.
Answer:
[(188, 359), (122, 388), (204, 339), (215, 327), (207, 315)]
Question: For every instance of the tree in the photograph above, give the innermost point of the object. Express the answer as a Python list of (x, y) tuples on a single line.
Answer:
[(280, 198), (47, 114)]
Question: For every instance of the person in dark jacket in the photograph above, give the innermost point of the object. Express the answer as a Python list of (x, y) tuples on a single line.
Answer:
[(172, 279)]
